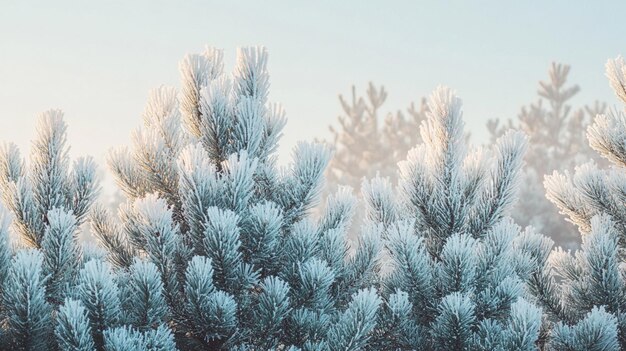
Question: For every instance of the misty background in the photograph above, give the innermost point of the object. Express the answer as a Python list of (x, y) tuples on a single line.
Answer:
[(97, 62)]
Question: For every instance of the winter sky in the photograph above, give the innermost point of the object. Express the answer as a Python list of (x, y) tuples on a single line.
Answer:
[(97, 60)]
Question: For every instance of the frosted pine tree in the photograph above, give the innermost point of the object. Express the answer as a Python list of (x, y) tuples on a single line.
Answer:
[(590, 283), (48, 199), (556, 130), (54, 295), (216, 240), (458, 264)]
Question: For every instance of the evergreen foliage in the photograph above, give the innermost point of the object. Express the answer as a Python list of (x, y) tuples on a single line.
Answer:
[(589, 285), (457, 278), (48, 199), (73, 331), (233, 258), (217, 248), (54, 294)]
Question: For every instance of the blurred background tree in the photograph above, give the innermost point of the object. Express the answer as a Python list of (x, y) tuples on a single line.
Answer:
[(369, 142), (367, 145), (557, 142)]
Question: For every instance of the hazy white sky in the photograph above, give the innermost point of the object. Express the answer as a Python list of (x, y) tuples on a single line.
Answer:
[(97, 60)]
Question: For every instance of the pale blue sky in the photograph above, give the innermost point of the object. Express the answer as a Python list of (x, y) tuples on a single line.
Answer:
[(97, 60)]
